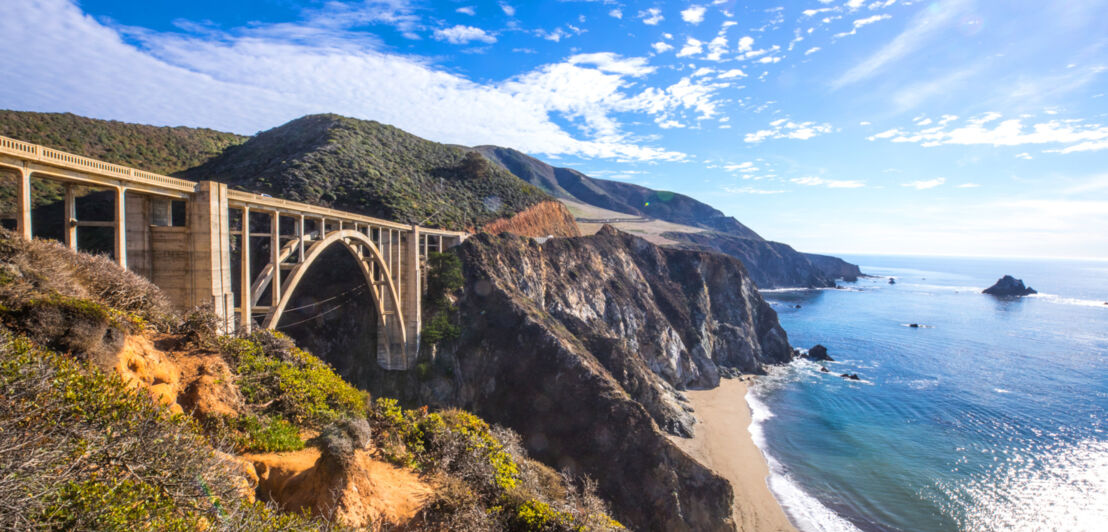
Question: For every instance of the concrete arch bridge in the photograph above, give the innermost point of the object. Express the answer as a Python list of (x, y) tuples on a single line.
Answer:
[(198, 241)]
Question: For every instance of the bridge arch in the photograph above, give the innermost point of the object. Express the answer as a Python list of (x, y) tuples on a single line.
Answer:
[(370, 261)]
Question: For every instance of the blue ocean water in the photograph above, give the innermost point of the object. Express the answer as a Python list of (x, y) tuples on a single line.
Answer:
[(993, 416)]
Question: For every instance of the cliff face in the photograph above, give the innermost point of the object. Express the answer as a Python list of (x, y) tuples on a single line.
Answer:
[(771, 264), (581, 345), (834, 267), (549, 218)]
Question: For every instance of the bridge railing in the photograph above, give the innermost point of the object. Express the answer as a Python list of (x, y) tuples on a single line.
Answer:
[(70, 161)]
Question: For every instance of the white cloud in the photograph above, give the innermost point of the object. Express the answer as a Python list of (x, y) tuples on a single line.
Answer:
[(746, 44), (508, 9), (254, 78), (716, 48), (694, 14), (692, 47), (732, 73), (467, 10), (870, 20), (614, 63), (924, 185), (461, 34), (829, 183), (1025, 156), (750, 190), (784, 128), (651, 17), (616, 13), (661, 47), (865, 123), (812, 50), (1076, 134)]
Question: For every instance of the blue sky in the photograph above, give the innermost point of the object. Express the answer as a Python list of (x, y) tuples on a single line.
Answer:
[(954, 127)]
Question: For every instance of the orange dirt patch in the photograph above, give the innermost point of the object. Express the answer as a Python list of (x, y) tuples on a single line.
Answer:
[(367, 493), (548, 218)]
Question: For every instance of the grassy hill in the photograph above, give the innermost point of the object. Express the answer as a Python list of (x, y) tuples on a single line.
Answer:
[(373, 168), (165, 150), (567, 183)]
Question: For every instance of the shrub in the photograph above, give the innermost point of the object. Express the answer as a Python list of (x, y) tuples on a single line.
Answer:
[(84, 451), (281, 379), (250, 433)]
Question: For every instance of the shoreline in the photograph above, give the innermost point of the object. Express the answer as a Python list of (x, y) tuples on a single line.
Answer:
[(723, 443)]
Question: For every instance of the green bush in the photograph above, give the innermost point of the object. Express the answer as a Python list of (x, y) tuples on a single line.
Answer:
[(444, 276), (248, 433), (284, 380)]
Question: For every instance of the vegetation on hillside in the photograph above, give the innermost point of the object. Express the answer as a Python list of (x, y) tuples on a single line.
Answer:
[(165, 150), (87, 448), (373, 168)]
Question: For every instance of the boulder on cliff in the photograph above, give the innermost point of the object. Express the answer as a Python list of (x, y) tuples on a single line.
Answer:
[(1009, 286)]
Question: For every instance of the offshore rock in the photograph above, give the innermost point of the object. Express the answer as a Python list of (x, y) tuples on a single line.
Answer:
[(1009, 286), (818, 352)]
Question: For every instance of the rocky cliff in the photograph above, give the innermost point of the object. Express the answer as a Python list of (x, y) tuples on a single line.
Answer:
[(582, 345), (771, 264), (834, 267)]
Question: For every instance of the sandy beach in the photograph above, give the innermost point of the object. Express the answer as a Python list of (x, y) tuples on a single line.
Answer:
[(723, 443)]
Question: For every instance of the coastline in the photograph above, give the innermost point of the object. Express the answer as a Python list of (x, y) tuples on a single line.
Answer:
[(723, 443)]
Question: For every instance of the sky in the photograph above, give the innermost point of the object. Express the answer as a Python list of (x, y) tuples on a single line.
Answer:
[(945, 127)]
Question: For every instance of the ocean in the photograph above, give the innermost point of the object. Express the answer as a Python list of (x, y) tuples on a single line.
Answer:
[(990, 416)]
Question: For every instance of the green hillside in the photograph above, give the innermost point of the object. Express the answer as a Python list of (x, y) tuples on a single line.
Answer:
[(165, 150), (373, 168)]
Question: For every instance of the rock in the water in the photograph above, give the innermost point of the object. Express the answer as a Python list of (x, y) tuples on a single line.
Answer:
[(818, 352), (798, 306), (1009, 286), (914, 325), (851, 376), (823, 369), (892, 281)]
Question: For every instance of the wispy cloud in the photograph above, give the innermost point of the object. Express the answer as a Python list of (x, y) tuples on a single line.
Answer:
[(924, 26), (829, 183), (784, 128), (1074, 134), (924, 185), (651, 17)]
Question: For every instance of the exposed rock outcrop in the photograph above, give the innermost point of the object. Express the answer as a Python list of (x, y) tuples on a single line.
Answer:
[(549, 218), (1009, 286), (581, 346), (771, 264), (834, 267), (819, 352)]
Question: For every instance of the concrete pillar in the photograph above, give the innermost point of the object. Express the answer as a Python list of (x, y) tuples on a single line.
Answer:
[(121, 225), (209, 237), (275, 259), (412, 295), (246, 296), (70, 218), (23, 204)]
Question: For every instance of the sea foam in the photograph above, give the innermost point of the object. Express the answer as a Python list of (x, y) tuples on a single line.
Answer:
[(804, 510)]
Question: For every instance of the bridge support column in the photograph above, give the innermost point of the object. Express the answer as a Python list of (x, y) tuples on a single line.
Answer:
[(70, 218), (121, 226), (412, 290), (24, 203), (210, 268)]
